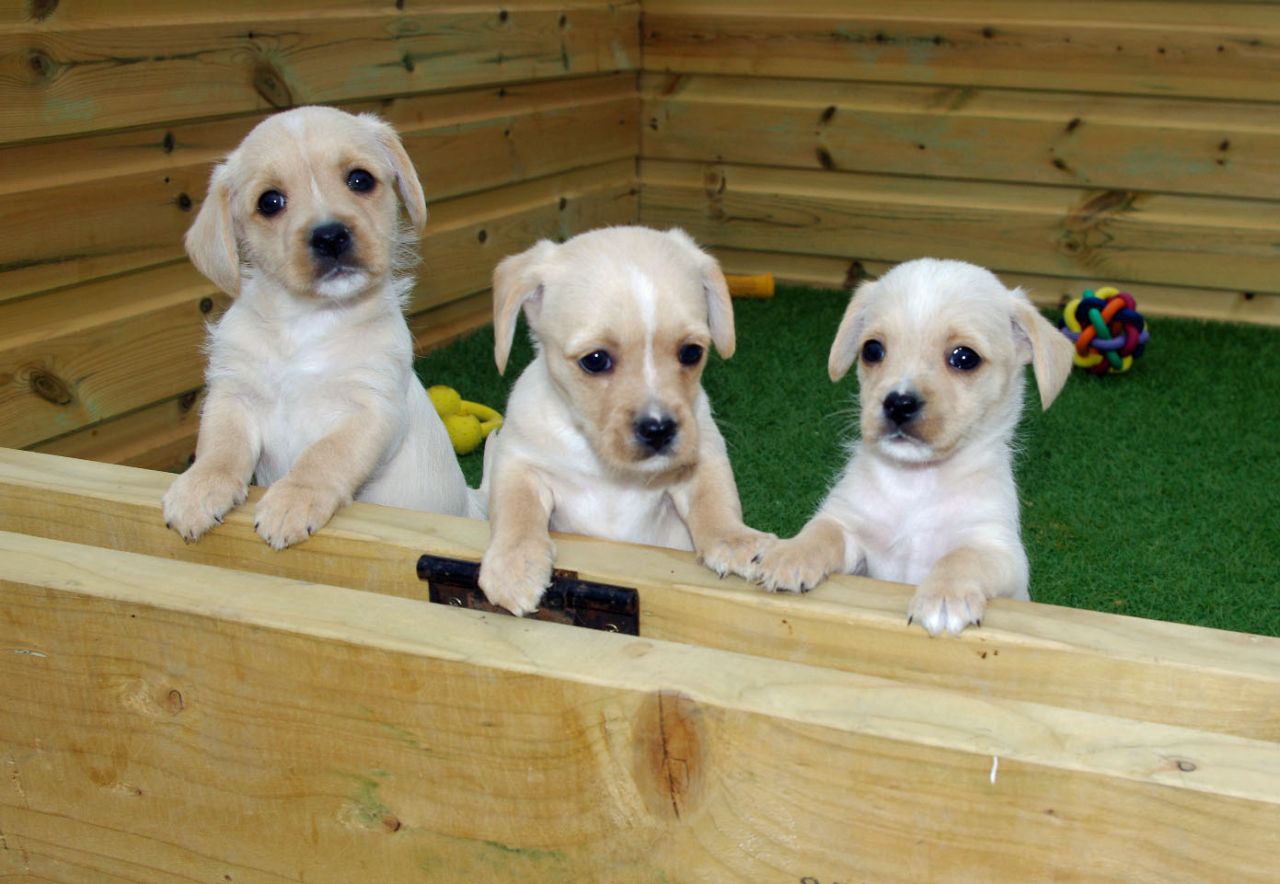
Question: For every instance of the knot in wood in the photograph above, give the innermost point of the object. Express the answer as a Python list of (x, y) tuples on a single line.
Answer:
[(672, 758), (49, 387), (268, 83)]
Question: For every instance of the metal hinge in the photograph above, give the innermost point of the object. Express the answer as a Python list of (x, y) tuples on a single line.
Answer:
[(567, 600)]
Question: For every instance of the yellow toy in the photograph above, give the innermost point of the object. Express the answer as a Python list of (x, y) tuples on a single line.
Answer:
[(758, 285), (467, 422)]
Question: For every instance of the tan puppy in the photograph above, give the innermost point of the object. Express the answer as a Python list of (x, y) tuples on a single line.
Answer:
[(310, 381), (608, 431), (928, 496)]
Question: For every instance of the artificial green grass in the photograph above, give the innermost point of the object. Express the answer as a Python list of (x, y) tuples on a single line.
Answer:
[(1152, 493)]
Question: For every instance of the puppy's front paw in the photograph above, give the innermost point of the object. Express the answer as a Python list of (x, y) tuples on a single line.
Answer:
[(198, 499), (515, 576), (737, 552), (291, 512), (937, 607), (792, 566)]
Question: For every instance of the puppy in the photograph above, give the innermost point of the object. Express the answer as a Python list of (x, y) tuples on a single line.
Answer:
[(310, 380), (928, 496), (608, 431)]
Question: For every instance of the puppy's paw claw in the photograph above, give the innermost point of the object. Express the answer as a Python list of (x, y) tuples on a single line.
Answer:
[(290, 512), (788, 567), (197, 500), (515, 577), (737, 553), (948, 609)]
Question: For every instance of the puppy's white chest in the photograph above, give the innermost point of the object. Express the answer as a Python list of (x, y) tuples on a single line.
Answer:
[(296, 378), (616, 512)]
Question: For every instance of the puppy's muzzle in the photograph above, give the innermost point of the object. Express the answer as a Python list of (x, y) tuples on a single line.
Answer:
[(332, 246), (655, 433), (901, 408)]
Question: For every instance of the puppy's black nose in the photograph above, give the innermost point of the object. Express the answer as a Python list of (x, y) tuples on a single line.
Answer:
[(331, 240), (900, 408), (656, 433)]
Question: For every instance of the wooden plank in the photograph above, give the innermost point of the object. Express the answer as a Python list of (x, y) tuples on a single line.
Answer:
[(1119, 236), (156, 437), (1170, 673), (94, 13), (143, 72), (86, 354), (1213, 50), (1047, 291), (104, 204), (178, 719), (1127, 143)]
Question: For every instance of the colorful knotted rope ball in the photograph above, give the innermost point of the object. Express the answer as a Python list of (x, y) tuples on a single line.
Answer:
[(1106, 330)]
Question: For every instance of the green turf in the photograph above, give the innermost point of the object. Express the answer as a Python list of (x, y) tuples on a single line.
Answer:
[(1152, 493)]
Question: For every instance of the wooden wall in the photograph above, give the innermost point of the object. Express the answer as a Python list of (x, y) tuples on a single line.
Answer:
[(1064, 144), (521, 117)]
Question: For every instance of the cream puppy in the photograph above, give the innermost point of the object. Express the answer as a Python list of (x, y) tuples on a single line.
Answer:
[(310, 380), (608, 431), (928, 496)]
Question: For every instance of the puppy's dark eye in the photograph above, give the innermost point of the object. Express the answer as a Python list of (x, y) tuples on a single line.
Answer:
[(361, 181), (963, 359), (596, 362), (271, 203), (872, 351), (690, 354)]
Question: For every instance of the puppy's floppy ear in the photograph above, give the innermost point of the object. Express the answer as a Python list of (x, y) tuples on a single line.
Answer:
[(719, 303), (517, 282), (1046, 348), (844, 349), (211, 239), (407, 183)]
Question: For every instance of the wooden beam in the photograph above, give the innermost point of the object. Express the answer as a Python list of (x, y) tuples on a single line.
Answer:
[(1137, 143), (143, 71), (1218, 50), (1101, 663), (1113, 236), (172, 719), (829, 271)]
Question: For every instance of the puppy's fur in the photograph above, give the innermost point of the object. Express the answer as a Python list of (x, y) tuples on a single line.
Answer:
[(629, 452), (928, 496), (310, 380)]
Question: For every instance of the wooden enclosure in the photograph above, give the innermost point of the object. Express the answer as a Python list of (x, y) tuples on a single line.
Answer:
[(1064, 144), (223, 712), (226, 713)]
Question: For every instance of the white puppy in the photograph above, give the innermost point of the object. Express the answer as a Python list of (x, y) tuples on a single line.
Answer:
[(608, 431), (928, 496), (310, 381)]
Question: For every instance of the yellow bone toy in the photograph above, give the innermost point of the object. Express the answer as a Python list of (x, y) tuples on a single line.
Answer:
[(467, 422)]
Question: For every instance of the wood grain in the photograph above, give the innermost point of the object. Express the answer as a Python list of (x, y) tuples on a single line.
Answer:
[(1118, 236), (1170, 673), (1218, 50), (174, 719), (1135, 143), (63, 81)]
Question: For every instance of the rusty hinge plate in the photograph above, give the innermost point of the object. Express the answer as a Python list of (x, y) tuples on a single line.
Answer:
[(568, 599)]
